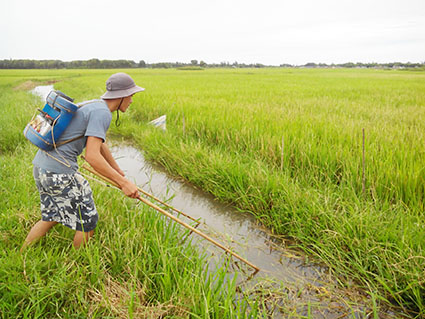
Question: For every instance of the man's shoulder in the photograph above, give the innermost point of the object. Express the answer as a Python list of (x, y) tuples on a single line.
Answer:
[(93, 104), (98, 106)]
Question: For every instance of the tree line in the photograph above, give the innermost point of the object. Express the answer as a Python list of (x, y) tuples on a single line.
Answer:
[(113, 64), (194, 64), (58, 64), (390, 65)]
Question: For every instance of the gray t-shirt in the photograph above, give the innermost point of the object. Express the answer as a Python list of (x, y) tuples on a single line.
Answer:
[(91, 119)]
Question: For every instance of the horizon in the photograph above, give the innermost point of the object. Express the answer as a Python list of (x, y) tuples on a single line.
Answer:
[(218, 63)]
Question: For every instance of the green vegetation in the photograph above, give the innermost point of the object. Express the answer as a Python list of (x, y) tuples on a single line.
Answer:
[(283, 144), (225, 131), (136, 267), (114, 64), (190, 68)]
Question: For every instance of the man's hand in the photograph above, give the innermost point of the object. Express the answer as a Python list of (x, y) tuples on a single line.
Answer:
[(130, 189)]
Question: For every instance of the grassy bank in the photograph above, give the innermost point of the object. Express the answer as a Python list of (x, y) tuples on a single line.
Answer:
[(136, 266), (286, 145)]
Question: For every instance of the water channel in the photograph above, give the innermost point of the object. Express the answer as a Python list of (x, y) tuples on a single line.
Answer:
[(286, 280)]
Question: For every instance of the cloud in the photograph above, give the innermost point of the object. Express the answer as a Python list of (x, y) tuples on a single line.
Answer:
[(269, 32)]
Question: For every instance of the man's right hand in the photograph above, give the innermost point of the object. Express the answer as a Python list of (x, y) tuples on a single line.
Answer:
[(130, 189)]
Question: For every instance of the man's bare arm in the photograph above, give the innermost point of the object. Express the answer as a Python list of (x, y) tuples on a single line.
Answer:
[(106, 153), (95, 158)]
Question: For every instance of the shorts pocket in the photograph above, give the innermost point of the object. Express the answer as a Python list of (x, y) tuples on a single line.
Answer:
[(55, 184)]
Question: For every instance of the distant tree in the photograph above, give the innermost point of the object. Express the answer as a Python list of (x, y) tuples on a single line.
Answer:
[(51, 64), (162, 65), (103, 64), (93, 63)]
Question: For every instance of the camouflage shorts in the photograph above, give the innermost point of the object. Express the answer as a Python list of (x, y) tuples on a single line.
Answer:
[(66, 199)]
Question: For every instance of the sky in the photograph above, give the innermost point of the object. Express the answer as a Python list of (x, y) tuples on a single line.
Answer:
[(270, 32)]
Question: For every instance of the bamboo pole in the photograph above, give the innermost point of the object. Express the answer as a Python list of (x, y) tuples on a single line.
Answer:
[(281, 153), (143, 192), (88, 168), (364, 164), (168, 206), (184, 126), (159, 209)]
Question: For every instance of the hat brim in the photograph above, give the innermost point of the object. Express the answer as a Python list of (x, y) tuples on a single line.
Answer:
[(109, 95)]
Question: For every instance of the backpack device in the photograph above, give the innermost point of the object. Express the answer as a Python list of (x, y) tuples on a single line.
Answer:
[(47, 126)]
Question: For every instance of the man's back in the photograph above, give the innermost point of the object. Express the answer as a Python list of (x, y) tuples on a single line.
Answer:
[(91, 119)]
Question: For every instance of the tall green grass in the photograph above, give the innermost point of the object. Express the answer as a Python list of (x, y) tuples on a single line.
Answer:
[(135, 267), (286, 145)]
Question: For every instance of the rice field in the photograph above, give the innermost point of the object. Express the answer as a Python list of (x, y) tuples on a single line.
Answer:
[(136, 266), (331, 158)]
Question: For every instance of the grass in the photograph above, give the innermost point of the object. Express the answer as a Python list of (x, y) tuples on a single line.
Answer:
[(285, 145), (135, 266)]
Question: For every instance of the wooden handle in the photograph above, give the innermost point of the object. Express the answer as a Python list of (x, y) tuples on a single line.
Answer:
[(159, 209)]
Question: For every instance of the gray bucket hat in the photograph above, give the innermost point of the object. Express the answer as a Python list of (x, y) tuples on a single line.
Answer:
[(120, 85)]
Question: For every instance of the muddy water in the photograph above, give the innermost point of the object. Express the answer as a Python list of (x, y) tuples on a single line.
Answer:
[(285, 277), (291, 286), (239, 230)]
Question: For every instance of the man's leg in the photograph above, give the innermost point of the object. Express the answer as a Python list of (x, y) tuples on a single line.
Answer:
[(37, 231), (82, 238)]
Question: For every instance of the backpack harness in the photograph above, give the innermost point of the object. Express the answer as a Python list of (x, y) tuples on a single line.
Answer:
[(48, 125)]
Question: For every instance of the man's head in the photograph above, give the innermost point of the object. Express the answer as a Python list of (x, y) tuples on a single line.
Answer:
[(120, 88), (120, 85)]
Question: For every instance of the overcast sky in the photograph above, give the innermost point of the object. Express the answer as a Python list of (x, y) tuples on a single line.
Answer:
[(263, 31)]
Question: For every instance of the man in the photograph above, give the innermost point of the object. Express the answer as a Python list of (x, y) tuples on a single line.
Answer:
[(65, 196)]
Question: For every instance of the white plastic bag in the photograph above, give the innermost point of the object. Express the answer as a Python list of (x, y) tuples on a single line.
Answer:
[(160, 122)]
